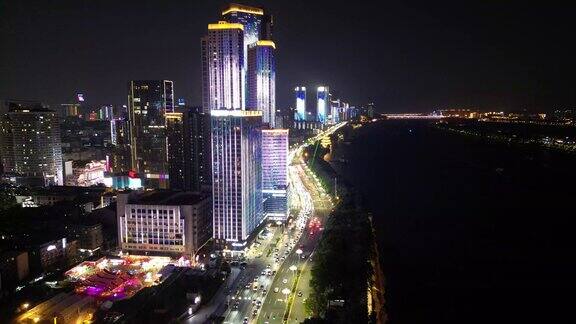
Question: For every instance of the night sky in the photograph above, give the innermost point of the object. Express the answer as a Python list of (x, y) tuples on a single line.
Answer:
[(404, 56)]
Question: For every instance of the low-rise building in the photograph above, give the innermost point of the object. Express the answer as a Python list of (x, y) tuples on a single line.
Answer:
[(13, 269), (84, 173), (45, 255), (66, 308), (164, 222), (90, 238)]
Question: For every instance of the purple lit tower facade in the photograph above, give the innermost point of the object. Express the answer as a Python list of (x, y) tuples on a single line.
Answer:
[(262, 80), (235, 137)]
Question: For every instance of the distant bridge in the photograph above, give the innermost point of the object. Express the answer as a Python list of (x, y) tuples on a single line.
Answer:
[(412, 116)]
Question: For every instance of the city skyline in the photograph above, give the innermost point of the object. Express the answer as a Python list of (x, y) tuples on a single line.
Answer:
[(285, 162), (412, 58)]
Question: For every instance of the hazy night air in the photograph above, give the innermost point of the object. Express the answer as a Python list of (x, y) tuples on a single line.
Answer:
[(285, 162), (405, 56)]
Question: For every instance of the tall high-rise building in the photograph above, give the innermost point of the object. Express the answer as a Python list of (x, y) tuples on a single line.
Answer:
[(120, 160), (370, 110), (148, 103), (236, 175), (261, 80), (30, 143), (275, 173), (300, 113), (323, 102), (253, 20), (335, 107), (197, 153), (106, 112), (223, 67), (176, 149)]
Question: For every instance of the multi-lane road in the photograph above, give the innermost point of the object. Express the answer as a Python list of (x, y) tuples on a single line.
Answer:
[(277, 269)]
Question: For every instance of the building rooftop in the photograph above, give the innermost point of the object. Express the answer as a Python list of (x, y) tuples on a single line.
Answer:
[(167, 197), (68, 190)]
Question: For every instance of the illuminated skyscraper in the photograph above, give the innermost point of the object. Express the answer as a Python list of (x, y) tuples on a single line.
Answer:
[(253, 20), (30, 144), (261, 80), (148, 103), (275, 173), (106, 112), (300, 114), (250, 17), (236, 175), (323, 102), (223, 71)]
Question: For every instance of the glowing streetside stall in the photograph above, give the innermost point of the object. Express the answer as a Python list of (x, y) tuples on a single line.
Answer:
[(117, 278)]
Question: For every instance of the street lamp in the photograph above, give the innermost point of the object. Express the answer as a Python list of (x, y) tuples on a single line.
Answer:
[(286, 291), (299, 252)]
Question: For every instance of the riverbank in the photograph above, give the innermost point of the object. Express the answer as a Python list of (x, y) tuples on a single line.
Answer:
[(466, 228), (356, 291)]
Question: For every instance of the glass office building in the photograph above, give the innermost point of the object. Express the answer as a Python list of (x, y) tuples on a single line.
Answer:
[(261, 80), (30, 144), (223, 72), (236, 175), (300, 114), (323, 101), (148, 103), (275, 173)]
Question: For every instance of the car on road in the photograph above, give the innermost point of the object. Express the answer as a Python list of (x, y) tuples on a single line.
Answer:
[(254, 313), (299, 294), (245, 320)]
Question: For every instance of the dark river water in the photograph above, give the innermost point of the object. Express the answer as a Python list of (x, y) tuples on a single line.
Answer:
[(468, 231)]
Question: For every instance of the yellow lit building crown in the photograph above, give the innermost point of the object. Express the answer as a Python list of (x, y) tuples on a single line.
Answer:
[(245, 9), (225, 25), (266, 43)]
